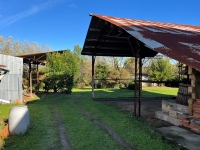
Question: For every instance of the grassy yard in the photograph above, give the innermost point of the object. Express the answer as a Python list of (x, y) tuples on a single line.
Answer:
[(43, 132), (4, 110)]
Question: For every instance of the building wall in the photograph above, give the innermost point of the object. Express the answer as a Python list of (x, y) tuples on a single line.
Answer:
[(11, 83)]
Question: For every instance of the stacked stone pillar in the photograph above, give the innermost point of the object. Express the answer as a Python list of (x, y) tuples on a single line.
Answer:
[(194, 89)]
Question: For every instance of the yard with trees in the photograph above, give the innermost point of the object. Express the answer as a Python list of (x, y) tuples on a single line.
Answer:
[(64, 111), (110, 72)]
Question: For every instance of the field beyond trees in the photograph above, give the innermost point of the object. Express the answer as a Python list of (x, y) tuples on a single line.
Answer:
[(77, 122)]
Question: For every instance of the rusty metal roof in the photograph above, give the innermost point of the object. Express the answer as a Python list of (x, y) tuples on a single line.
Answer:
[(112, 36), (37, 57)]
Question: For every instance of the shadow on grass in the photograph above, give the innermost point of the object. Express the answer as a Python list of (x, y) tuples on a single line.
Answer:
[(86, 93), (118, 93)]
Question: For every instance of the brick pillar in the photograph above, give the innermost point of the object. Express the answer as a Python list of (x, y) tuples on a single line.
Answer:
[(194, 89)]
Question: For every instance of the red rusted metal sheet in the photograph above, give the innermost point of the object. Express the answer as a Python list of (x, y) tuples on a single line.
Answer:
[(177, 41)]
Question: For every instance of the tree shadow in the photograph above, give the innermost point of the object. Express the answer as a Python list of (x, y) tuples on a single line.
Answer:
[(112, 94)]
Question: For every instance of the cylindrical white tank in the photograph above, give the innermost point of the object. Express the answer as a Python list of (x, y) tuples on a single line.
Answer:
[(18, 120)]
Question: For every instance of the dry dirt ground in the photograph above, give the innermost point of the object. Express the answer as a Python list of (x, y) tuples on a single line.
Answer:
[(148, 108), (27, 97)]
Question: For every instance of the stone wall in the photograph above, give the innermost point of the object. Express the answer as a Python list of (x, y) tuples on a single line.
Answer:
[(194, 89)]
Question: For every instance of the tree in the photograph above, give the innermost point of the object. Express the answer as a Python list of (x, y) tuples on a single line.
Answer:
[(160, 69), (60, 63), (6, 45), (84, 70), (77, 50), (84, 76), (113, 76), (129, 65), (101, 73), (60, 71), (9, 46), (124, 76)]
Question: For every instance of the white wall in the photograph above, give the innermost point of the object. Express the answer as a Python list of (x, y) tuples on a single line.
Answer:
[(11, 83)]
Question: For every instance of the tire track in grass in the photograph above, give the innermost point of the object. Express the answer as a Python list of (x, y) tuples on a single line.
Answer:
[(110, 131), (64, 140), (65, 143)]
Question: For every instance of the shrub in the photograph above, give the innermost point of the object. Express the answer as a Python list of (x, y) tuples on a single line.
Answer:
[(59, 83), (131, 86)]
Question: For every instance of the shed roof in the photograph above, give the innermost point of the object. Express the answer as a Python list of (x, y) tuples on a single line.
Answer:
[(113, 36), (37, 57)]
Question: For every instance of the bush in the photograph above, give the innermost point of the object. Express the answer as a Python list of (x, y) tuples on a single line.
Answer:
[(131, 85), (81, 85), (175, 82), (59, 83)]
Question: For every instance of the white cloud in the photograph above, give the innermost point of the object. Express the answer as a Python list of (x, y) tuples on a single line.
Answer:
[(34, 10)]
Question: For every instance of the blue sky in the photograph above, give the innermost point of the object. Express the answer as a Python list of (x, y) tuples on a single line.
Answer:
[(61, 24)]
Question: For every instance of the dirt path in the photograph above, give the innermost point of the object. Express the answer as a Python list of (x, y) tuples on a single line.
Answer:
[(110, 131), (65, 143), (64, 140)]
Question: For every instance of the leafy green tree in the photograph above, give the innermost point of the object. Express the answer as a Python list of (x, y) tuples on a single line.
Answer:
[(60, 63), (60, 71), (77, 50), (129, 65), (111, 73), (84, 75), (160, 69), (101, 73), (113, 76), (124, 76), (117, 78)]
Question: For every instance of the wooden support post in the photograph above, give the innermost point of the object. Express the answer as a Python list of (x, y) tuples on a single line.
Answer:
[(135, 90), (140, 86), (37, 76), (31, 84), (197, 85), (93, 61), (30, 79)]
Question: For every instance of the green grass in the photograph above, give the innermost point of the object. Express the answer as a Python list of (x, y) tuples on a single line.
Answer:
[(4, 110), (159, 92), (4, 114), (81, 131), (83, 134), (41, 134), (116, 93)]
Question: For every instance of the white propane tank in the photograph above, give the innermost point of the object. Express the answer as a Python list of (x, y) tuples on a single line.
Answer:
[(18, 120)]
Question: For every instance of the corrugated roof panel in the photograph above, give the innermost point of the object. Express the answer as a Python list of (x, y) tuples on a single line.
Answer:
[(177, 41)]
